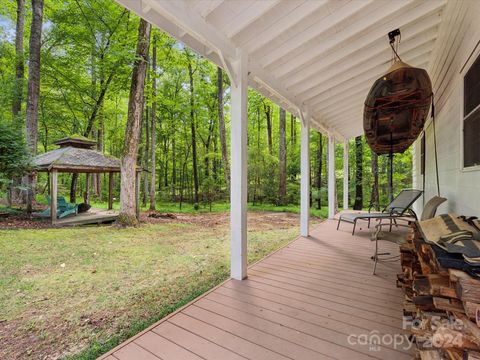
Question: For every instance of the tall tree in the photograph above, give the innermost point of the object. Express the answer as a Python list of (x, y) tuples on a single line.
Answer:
[(318, 182), (146, 154), (374, 196), (153, 127), (33, 93), (282, 157), (358, 204), (19, 60), (268, 116), (128, 184), (193, 128), (293, 139), (221, 127)]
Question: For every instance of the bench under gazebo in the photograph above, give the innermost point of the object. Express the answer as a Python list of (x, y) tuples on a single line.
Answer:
[(77, 154)]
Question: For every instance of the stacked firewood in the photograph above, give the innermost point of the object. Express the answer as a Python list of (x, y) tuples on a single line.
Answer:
[(442, 305)]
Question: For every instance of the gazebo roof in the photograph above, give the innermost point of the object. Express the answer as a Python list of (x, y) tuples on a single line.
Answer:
[(74, 159), (77, 141)]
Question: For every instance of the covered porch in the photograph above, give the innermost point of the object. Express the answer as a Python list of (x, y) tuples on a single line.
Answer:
[(316, 298), (317, 60)]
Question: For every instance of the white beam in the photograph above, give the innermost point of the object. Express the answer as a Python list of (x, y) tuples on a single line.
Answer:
[(358, 49), (242, 21), (313, 30), (334, 77), (326, 96), (305, 176), (281, 17), (345, 175), (381, 21), (331, 177), (238, 186)]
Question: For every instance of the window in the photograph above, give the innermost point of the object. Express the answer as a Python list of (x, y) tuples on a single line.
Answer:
[(471, 116)]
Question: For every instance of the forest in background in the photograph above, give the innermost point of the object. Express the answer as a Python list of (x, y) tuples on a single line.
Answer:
[(87, 52)]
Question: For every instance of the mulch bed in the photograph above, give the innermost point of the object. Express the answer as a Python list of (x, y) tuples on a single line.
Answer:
[(22, 221)]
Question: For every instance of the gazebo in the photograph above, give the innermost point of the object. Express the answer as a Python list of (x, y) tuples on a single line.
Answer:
[(76, 154)]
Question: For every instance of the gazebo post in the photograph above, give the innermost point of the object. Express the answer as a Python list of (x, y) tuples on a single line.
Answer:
[(137, 194), (110, 190), (86, 197), (53, 190)]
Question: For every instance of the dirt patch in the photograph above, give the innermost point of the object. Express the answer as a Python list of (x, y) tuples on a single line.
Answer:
[(257, 220), (15, 221)]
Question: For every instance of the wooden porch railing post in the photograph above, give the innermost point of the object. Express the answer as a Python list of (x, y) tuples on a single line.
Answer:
[(305, 176), (331, 177), (345, 175), (238, 187)]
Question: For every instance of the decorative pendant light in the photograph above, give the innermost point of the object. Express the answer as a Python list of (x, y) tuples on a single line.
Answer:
[(397, 105)]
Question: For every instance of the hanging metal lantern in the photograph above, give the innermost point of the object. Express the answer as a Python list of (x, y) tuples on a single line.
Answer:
[(396, 108)]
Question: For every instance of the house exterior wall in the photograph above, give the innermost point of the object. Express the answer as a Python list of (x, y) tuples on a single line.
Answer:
[(455, 50)]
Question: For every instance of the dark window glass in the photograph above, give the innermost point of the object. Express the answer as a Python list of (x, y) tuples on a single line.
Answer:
[(471, 139), (472, 88)]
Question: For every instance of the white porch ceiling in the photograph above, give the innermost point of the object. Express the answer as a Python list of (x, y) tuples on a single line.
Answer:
[(315, 56)]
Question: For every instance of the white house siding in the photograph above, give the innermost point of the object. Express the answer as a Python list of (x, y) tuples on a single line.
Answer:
[(456, 48)]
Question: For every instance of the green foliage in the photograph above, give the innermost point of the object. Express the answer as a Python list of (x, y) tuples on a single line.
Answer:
[(88, 48), (15, 159)]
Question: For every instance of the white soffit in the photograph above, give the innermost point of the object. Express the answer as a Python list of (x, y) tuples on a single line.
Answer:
[(315, 56)]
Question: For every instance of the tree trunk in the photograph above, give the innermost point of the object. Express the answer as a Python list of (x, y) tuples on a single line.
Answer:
[(153, 127), (282, 157), (193, 133), (293, 139), (14, 195), (174, 170), (33, 93), (268, 114), (318, 182), (100, 144), (19, 60), (221, 127), (132, 132), (358, 205), (374, 198), (145, 159)]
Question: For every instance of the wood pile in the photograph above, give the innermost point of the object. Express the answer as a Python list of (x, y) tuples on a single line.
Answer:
[(441, 307)]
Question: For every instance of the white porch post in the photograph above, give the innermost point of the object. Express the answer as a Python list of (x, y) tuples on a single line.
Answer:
[(345, 175), (331, 177), (305, 177), (238, 172)]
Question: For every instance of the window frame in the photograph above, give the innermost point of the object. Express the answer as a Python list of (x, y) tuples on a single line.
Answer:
[(473, 58)]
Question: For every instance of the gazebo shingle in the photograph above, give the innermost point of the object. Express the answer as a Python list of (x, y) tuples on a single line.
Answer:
[(72, 159)]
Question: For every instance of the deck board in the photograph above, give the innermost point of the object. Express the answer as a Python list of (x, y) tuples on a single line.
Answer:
[(301, 302), (93, 216)]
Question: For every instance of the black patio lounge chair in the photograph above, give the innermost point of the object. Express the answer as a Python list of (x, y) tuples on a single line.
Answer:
[(429, 211), (400, 207)]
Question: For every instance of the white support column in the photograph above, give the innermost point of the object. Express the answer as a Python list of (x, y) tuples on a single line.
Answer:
[(305, 177), (238, 173), (331, 177), (345, 175)]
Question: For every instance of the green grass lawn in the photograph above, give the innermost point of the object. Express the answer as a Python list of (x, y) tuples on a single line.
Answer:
[(83, 290)]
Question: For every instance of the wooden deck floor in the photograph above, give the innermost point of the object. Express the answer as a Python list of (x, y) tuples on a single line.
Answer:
[(93, 216), (302, 302)]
